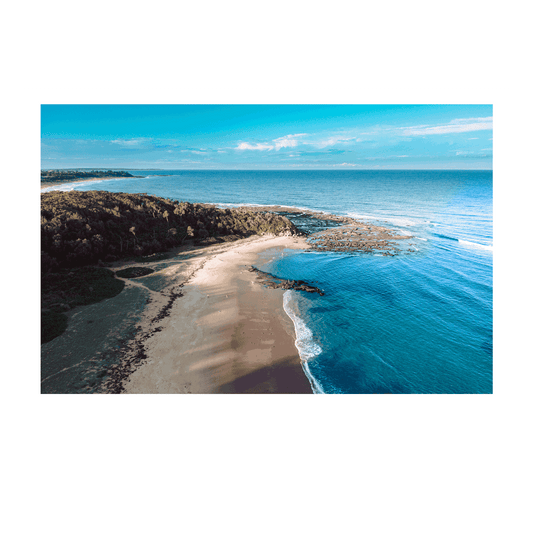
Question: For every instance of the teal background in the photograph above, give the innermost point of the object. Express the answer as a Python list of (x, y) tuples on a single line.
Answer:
[(318, 474)]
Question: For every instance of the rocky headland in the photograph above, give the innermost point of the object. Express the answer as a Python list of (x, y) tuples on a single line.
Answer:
[(335, 233), (94, 245)]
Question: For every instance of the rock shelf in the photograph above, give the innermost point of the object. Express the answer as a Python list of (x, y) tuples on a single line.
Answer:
[(357, 238), (336, 233)]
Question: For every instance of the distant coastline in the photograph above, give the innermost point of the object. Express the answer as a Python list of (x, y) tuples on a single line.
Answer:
[(49, 178)]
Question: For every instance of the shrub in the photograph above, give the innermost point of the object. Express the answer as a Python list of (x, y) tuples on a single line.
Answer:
[(134, 272), (53, 324)]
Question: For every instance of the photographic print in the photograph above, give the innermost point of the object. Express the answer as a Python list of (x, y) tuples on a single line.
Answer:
[(327, 249)]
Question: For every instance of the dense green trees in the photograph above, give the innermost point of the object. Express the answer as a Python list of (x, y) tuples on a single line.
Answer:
[(81, 228)]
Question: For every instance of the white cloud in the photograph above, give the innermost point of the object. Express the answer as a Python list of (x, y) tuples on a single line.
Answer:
[(296, 139), (468, 120), (128, 142), (346, 165), (289, 141), (385, 157), (334, 140), (199, 151), (258, 146), (326, 142), (458, 125)]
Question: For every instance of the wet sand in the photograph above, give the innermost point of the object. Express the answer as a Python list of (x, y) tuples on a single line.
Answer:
[(225, 334)]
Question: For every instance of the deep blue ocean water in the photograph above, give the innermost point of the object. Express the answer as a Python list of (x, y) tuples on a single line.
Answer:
[(414, 323)]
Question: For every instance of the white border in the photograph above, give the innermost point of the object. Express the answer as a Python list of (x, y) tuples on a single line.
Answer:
[(32, 403)]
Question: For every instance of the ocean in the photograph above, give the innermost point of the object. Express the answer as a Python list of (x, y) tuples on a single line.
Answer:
[(418, 323)]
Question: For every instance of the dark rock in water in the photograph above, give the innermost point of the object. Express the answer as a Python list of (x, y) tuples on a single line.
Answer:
[(273, 282)]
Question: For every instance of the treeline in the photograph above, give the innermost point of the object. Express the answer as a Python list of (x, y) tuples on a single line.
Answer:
[(60, 175), (82, 228)]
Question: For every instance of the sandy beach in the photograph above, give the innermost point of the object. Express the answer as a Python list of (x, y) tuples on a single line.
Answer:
[(198, 321), (77, 182), (226, 333)]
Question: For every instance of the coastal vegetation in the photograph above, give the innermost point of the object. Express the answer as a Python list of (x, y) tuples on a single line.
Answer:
[(134, 272), (49, 177), (82, 231), (83, 228)]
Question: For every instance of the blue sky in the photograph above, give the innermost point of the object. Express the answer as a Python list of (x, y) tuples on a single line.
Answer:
[(266, 136)]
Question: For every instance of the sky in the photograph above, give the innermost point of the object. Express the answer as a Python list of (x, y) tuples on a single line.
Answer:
[(266, 137)]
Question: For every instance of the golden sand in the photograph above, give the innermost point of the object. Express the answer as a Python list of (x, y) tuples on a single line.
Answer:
[(227, 333)]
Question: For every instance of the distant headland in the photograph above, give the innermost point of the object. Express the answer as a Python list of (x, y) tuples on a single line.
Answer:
[(55, 177)]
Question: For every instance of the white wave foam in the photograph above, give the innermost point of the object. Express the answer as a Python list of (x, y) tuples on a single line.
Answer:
[(476, 245), (270, 205), (64, 187), (222, 204), (397, 221), (307, 347), (74, 184), (421, 238)]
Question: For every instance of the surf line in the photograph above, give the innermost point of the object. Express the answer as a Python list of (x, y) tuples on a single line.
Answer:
[(307, 348)]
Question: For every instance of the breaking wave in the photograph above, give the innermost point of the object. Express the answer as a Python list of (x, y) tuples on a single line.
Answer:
[(475, 245), (306, 345)]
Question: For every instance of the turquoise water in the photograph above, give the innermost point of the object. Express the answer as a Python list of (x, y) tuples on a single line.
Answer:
[(416, 323)]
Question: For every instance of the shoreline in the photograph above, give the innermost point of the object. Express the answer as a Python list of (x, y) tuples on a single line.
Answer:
[(75, 182), (212, 322), (222, 332)]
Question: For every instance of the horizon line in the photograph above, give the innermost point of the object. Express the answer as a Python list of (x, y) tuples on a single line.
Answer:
[(258, 169)]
